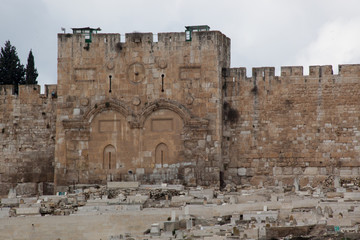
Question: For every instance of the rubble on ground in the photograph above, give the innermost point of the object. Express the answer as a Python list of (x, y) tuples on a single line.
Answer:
[(210, 213)]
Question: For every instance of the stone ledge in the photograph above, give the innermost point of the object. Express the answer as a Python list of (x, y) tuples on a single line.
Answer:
[(123, 184)]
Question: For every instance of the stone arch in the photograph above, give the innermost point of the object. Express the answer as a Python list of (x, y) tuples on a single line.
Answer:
[(176, 107), (116, 106), (162, 139), (110, 133), (161, 154), (109, 157)]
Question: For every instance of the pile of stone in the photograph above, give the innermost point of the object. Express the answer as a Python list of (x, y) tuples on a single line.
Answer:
[(208, 213)]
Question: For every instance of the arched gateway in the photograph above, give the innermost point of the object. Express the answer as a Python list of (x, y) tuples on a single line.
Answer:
[(120, 104), (146, 145)]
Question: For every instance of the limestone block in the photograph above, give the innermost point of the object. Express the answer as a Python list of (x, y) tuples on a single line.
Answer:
[(27, 205), (123, 184), (287, 170), (137, 199), (27, 211), (226, 133), (201, 194), (340, 190), (155, 229), (9, 202), (260, 215), (189, 223), (323, 171), (232, 171), (345, 172), (201, 143), (181, 200), (12, 193), (334, 194), (132, 207), (147, 153), (277, 171), (97, 202), (170, 226), (251, 233), (76, 111), (26, 189), (311, 171), (355, 196), (179, 234), (4, 212), (242, 171)]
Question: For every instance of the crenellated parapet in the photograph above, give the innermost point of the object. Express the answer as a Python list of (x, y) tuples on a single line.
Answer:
[(29, 91), (266, 76), (141, 37), (345, 70)]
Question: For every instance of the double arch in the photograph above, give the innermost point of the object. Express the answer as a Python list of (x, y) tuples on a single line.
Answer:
[(106, 159), (138, 120), (116, 106)]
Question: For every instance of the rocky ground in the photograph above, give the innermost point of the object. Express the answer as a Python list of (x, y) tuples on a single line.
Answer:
[(209, 213)]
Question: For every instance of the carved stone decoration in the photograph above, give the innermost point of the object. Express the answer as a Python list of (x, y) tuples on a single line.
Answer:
[(84, 101), (190, 73), (162, 63), (85, 74), (136, 101), (189, 99), (110, 65), (136, 72)]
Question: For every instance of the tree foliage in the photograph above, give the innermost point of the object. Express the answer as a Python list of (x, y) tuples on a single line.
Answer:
[(31, 71), (11, 70)]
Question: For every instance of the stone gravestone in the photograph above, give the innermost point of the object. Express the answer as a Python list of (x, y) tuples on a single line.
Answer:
[(155, 229)]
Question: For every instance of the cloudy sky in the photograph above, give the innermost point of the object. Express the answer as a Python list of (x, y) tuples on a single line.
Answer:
[(263, 32)]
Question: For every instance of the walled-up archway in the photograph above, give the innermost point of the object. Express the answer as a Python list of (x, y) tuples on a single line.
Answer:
[(161, 139), (109, 158), (161, 155), (112, 145), (119, 144)]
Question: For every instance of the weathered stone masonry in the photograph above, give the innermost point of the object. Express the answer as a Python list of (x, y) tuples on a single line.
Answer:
[(293, 129), (27, 136), (160, 120), (174, 111)]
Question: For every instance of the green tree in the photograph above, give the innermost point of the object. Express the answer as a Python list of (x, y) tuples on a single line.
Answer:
[(31, 71), (11, 70)]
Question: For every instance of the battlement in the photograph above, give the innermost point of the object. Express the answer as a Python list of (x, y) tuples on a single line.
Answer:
[(345, 70), (29, 91), (139, 37)]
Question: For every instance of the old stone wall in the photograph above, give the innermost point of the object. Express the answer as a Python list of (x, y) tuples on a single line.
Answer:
[(140, 110), (173, 111), (27, 135), (291, 130)]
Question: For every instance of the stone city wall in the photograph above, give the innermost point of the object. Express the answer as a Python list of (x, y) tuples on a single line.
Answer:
[(173, 111), (27, 136), (291, 129)]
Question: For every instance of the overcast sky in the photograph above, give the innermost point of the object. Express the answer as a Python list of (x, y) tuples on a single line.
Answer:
[(263, 32)]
